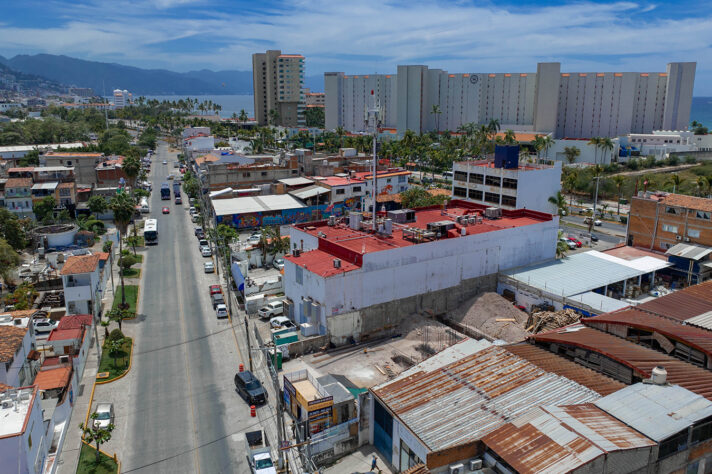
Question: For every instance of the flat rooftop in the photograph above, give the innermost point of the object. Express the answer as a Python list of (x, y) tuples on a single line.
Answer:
[(490, 164), (14, 418), (350, 245), (251, 204)]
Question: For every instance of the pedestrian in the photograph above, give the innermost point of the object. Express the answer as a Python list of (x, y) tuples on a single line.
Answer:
[(373, 464)]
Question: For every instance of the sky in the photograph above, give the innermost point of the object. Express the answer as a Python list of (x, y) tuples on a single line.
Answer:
[(368, 36)]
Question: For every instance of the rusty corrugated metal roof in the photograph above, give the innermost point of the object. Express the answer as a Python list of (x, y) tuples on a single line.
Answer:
[(641, 359), (458, 402), (561, 439), (683, 304), (700, 339), (551, 362)]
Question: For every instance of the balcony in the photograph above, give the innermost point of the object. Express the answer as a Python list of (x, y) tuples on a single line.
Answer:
[(75, 292)]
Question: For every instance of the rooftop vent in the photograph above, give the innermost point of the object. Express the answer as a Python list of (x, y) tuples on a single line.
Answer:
[(296, 252), (659, 375), (337, 263)]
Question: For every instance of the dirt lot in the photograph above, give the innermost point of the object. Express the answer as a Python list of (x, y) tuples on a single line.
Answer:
[(493, 315)]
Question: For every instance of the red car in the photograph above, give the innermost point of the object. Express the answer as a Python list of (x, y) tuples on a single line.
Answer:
[(576, 241), (215, 289), (182, 170), (166, 210)]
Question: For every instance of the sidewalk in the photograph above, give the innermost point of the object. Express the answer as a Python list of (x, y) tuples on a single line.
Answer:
[(359, 462)]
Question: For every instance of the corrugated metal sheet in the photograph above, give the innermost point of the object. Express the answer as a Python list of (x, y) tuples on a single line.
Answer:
[(704, 320), (581, 272), (571, 370), (641, 359), (683, 304), (461, 401), (657, 411), (691, 251), (700, 339), (560, 439)]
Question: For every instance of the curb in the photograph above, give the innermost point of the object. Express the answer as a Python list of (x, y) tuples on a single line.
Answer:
[(104, 382), (116, 459), (91, 402)]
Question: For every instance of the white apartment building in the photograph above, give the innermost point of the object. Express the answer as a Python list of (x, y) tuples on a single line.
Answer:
[(573, 105), (23, 444), (18, 340), (347, 97), (81, 280), (526, 186), (278, 80), (122, 98)]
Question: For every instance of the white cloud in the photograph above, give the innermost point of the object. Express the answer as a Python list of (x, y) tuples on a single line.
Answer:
[(376, 35)]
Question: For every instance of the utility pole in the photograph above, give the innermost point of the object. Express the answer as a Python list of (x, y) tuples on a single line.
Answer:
[(249, 348), (96, 329), (595, 196)]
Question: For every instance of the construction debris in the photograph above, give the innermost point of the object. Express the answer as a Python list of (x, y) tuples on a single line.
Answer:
[(491, 316), (549, 320)]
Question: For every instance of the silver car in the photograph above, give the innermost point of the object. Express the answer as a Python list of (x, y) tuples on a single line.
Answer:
[(105, 415)]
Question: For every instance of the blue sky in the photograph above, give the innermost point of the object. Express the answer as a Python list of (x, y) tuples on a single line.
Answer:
[(368, 36)]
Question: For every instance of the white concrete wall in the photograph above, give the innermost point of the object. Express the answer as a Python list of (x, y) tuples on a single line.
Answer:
[(15, 452), (11, 375), (533, 192)]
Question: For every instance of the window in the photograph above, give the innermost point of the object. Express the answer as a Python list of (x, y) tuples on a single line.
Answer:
[(459, 192), (388, 180), (670, 228), (477, 178), (492, 197), (402, 179), (702, 432), (671, 210), (357, 189), (245, 175), (264, 173), (341, 191), (703, 215), (492, 180), (509, 201), (694, 233), (299, 275), (294, 171), (509, 183), (460, 176), (673, 445), (475, 194)]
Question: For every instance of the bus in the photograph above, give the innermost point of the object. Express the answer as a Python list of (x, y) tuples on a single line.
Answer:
[(150, 231), (165, 191)]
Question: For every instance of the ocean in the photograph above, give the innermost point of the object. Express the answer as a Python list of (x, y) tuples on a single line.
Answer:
[(701, 106)]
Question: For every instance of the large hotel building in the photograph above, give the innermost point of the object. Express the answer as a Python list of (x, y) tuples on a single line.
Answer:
[(569, 104), (278, 80)]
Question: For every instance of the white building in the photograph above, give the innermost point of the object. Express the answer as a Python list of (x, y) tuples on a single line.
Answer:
[(347, 97), (343, 268), (5, 106), (195, 131), (525, 185), (23, 445), (17, 342), (81, 279), (573, 105), (122, 98), (199, 144)]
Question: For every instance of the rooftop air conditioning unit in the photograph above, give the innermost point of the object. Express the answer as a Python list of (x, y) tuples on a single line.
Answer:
[(7, 403), (63, 358), (678, 237), (295, 252), (493, 212), (457, 469), (475, 464)]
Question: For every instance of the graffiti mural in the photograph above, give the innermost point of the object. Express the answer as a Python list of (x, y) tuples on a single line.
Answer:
[(289, 216)]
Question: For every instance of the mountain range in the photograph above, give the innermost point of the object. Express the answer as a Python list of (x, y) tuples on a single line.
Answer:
[(105, 77)]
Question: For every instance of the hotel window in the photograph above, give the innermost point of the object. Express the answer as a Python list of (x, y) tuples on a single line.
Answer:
[(357, 189), (459, 192), (475, 194), (694, 233), (509, 201), (340, 191), (460, 176), (509, 183), (492, 180), (476, 178), (670, 228), (492, 197)]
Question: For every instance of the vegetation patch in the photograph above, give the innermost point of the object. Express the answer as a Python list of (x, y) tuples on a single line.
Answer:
[(89, 465), (131, 297), (115, 356)]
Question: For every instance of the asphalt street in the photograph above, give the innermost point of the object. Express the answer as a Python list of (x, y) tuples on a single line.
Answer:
[(181, 412)]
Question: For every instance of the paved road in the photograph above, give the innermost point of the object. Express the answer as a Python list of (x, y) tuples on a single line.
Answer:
[(183, 414)]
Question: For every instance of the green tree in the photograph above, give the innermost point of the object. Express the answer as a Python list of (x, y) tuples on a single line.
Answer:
[(44, 209), (243, 117), (128, 261), (24, 296), (437, 112), (93, 433), (559, 202), (703, 185), (561, 246), (12, 230), (595, 142), (570, 182), (420, 197), (273, 117), (606, 145), (123, 207), (315, 117), (571, 153), (118, 315), (676, 181), (97, 204), (548, 143), (619, 181), (9, 260), (132, 167), (116, 349)]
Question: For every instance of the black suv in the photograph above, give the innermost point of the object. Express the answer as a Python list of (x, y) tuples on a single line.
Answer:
[(250, 388)]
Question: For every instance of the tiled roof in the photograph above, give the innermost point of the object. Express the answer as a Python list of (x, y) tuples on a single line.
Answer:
[(18, 183), (10, 341), (53, 378), (4, 387), (74, 321), (80, 264), (689, 202), (64, 334)]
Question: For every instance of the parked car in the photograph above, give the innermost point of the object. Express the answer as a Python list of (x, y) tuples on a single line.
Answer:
[(594, 238), (179, 200), (105, 415), (250, 388), (203, 243), (570, 244), (206, 252), (597, 222), (165, 162), (43, 325), (272, 309), (278, 263), (576, 241), (221, 311), (166, 210), (198, 230), (175, 164), (170, 176), (209, 267), (200, 235), (217, 300), (194, 218), (214, 289), (279, 321)]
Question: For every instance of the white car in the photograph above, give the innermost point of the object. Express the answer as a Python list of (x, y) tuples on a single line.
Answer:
[(270, 310), (279, 321), (165, 162), (206, 252), (105, 415), (209, 267), (278, 263), (569, 243), (43, 325), (170, 176), (221, 311), (254, 239), (597, 222)]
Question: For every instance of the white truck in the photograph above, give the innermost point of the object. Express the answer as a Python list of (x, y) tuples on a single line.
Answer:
[(259, 453)]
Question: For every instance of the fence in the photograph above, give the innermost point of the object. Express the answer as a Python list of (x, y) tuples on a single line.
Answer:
[(325, 440)]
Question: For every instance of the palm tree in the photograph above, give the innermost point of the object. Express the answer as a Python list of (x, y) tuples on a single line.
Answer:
[(437, 112), (561, 246), (596, 142), (570, 184), (123, 206), (510, 138), (559, 201), (619, 181), (597, 172), (273, 117), (571, 153), (606, 145), (676, 181), (538, 144), (548, 143), (242, 117), (492, 130), (131, 167), (702, 185)]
